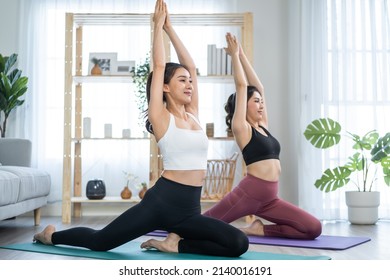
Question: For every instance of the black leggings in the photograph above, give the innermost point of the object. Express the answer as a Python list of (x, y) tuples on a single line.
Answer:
[(167, 206)]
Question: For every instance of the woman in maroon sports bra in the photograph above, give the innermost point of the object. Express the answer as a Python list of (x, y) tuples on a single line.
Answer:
[(257, 192)]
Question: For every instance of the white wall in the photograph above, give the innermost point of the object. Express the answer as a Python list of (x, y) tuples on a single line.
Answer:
[(270, 62)]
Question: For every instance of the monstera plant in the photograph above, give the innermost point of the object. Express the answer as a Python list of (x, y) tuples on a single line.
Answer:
[(371, 152), (12, 86)]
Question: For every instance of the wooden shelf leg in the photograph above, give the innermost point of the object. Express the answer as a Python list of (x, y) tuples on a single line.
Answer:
[(77, 209)]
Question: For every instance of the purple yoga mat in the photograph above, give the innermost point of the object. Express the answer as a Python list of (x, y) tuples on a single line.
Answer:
[(329, 242)]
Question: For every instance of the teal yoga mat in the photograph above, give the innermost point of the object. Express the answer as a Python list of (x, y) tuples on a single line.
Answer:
[(132, 251)]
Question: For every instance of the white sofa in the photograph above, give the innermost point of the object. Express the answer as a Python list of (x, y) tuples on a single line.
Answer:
[(22, 188)]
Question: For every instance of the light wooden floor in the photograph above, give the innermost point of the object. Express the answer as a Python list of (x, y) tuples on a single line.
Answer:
[(21, 229)]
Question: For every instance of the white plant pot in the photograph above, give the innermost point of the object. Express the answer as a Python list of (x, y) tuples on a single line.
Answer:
[(362, 207)]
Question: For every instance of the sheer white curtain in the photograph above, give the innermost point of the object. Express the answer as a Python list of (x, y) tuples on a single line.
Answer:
[(344, 71), (42, 33), (307, 27)]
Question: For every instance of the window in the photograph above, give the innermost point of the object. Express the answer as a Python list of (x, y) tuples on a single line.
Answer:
[(358, 74)]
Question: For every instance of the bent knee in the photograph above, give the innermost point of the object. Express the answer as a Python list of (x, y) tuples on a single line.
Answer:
[(314, 230), (241, 245)]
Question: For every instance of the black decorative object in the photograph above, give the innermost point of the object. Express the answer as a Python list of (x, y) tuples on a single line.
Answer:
[(96, 189)]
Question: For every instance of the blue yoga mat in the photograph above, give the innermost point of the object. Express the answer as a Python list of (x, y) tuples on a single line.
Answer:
[(132, 251), (328, 242)]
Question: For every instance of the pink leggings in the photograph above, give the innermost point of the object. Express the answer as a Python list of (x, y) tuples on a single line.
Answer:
[(255, 196)]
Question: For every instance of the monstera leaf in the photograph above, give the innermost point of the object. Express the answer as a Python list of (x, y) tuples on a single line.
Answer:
[(366, 142), (355, 163), (381, 148), (323, 133), (333, 179), (385, 162), (387, 177)]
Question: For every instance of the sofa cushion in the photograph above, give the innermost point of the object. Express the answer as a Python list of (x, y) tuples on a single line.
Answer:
[(9, 188), (15, 152), (33, 182)]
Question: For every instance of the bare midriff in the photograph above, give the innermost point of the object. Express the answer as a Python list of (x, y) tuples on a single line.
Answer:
[(187, 177), (268, 170)]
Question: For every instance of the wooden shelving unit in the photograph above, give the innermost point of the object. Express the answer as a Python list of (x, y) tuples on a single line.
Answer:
[(74, 80), (72, 198)]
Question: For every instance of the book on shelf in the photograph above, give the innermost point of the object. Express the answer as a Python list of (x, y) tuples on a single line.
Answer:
[(218, 61), (229, 69), (211, 59), (224, 57)]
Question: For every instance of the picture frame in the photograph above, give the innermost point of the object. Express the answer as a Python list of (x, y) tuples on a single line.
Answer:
[(123, 67), (107, 61)]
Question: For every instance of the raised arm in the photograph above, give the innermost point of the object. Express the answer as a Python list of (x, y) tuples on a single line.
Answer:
[(186, 60), (157, 114), (240, 127), (254, 80)]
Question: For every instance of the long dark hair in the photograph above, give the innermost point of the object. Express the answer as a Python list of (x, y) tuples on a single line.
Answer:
[(170, 69), (230, 105)]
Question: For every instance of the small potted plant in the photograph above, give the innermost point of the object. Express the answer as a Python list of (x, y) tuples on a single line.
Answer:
[(143, 188), (96, 70), (372, 152)]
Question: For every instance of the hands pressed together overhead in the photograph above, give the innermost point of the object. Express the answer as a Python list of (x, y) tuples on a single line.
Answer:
[(161, 15), (160, 12), (233, 46)]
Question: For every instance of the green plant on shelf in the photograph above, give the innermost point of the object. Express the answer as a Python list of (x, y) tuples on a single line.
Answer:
[(140, 75)]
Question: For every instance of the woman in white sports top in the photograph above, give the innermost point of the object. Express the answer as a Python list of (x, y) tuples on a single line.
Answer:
[(173, 203)]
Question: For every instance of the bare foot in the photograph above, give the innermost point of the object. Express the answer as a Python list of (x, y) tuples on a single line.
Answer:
[(168, 245), (44, 236), (256, 228)]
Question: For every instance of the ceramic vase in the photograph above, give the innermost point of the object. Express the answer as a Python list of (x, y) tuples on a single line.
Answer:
[(96, 70), (142, 191), (210, 129), (126, 193)]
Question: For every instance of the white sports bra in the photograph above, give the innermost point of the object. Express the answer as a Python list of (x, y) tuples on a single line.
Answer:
[(183, 149)]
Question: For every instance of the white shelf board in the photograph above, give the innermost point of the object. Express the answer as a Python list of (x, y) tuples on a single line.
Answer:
[(107, 199), (118, 199)]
